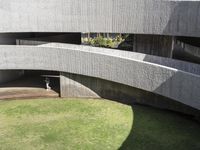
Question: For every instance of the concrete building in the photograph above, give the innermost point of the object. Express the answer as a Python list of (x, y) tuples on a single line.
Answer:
[(45, 35)]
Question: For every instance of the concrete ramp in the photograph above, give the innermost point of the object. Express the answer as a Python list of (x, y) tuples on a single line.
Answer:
[(177, 80)]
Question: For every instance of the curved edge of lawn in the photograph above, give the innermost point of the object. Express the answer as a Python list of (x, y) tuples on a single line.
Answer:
[(94, 124)]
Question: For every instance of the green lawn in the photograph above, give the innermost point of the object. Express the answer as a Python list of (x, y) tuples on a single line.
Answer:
[(92, 124)]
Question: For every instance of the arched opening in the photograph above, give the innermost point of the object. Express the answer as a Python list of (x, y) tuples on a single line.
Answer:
[(30, 84)]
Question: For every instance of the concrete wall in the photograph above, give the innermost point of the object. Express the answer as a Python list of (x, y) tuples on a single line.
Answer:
[(176, 17), (181, 86), (187, 52), (10, 38), (79, 86), (72, 86), (17, 38), (158, 45), (9, 75), (167, 62), (72, 38)]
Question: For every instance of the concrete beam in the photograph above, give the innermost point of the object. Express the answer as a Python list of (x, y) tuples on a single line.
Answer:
[(177, 18)]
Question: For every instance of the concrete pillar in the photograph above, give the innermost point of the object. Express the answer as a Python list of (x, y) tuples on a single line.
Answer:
[(75, 86)]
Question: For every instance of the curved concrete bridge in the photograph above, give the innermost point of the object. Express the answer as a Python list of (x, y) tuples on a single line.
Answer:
[(175, 79)]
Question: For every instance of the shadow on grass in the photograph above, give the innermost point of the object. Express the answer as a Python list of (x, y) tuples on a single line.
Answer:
[(158, 129)]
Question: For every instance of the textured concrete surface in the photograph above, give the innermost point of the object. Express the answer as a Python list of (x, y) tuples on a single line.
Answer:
[(157, 45), (169, 82), (180, 65), (167, 62), (79, 86), (71, 87), (178, 17)]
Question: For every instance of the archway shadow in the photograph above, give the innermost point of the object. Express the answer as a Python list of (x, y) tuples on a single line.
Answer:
[(133, 97), (148, 127), (138, 139)]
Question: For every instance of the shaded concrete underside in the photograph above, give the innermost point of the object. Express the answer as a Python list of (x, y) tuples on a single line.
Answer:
[(79, 86), (9, 75)]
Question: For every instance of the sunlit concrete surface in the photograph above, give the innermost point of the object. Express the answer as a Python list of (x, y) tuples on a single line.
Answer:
[(165, 17)]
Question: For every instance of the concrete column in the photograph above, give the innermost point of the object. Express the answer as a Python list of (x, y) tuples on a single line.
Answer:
[(75, 86)]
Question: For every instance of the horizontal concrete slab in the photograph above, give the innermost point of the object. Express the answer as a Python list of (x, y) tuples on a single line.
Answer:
[(164, 17)]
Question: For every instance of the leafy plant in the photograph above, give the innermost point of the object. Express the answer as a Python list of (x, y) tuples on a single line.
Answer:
[(102, 41)]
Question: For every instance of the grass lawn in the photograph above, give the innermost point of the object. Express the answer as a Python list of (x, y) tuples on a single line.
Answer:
[(92, 124)]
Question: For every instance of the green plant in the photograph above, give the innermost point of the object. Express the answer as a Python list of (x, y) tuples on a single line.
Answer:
[(102, 41)]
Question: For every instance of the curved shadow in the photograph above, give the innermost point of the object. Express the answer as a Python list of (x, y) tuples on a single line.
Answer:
[(128, 143), (132, 96), (150, 123)]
